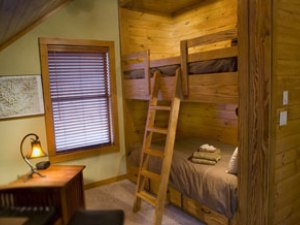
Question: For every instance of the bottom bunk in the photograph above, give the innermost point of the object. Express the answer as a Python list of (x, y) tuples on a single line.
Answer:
[(208, 192)]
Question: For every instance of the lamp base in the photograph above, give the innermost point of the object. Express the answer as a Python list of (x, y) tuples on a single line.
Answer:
[(29, 175), (42, 165), (34, 171)]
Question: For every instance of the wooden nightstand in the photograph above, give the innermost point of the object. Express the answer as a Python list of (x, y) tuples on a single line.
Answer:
[(62, 188)]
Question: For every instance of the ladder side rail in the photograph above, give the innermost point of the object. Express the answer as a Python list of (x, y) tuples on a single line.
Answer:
[(166, 167), (144, 158), (169, 147)]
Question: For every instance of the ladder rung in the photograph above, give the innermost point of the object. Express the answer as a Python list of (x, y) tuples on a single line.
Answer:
[(160, 107), (158, 130), (147, 197), (150, 175), (156, 153)]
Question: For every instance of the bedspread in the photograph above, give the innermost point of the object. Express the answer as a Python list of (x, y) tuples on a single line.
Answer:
[(210, 185)]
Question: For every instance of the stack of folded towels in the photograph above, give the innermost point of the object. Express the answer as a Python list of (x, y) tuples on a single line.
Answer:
[(206, 154)]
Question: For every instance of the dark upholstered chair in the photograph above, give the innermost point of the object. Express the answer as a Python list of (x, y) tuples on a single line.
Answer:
[(97, 217)]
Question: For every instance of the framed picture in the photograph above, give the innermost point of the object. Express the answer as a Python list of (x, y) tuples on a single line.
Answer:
[(21, 96)]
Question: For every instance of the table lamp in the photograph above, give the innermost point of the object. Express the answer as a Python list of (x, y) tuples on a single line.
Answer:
[(35, 152)]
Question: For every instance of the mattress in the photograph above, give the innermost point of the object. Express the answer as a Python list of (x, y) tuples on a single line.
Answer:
[(195, 68), (209, 185)]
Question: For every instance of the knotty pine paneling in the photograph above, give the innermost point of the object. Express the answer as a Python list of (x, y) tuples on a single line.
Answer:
[(198, 120), (208, 17), (162, 34), (204, 88), (135, 112), (287, 75), (208, 120), (141, 31), (164, 7)]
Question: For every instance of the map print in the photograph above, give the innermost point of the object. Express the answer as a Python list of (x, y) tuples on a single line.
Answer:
[(20, 96)]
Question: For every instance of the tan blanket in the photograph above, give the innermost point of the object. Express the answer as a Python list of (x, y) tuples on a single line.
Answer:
[(213, 156), (203, 161)]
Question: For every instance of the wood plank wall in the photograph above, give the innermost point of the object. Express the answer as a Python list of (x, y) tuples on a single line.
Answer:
[(209, 17), (195, 120), (141, 31), (287, 77), (162, 35), (209, 121)]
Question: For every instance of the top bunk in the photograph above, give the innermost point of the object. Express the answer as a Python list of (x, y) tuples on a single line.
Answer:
[(206, 75)]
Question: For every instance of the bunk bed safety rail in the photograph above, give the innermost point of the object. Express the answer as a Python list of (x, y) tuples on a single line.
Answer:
[(186, 57)]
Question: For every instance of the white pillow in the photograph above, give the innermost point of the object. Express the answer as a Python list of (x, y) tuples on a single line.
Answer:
[(233, 163)]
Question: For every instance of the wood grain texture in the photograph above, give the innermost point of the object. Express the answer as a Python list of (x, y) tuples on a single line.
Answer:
[(167, 7), (255, 124), (141, 31), (208, 120), (212, 38), (287, 77), (135, 113), (184, 67), (135, 89), (162, 34), (219, 53), (139, 88), (200, 211), (217, 88), (166, 87), (207, 18)]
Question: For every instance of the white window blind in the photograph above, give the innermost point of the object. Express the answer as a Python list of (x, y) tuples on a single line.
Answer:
[(81, 99)]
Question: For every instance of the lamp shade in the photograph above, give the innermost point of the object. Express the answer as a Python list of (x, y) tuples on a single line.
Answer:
[(36, 150)]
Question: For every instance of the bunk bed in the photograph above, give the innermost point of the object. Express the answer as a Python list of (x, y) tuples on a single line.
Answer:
[(200, 71), (208, 192)]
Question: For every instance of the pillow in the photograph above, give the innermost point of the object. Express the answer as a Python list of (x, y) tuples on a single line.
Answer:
[(233, 163)]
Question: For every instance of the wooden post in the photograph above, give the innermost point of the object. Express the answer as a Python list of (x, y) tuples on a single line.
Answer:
[(255, 114)]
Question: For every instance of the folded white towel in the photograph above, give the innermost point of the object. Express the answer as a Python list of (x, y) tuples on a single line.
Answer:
[(207, 148)]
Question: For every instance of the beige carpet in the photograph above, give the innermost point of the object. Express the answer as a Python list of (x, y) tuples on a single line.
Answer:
[(120, 195)]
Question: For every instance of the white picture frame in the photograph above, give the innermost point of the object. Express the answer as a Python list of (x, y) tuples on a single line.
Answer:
[(20, 96)]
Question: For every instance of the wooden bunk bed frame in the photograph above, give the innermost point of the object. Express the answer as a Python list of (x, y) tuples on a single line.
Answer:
[(224, 91), (201, 88)]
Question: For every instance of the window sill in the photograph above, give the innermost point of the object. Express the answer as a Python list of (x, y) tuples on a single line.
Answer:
[(62, 157)]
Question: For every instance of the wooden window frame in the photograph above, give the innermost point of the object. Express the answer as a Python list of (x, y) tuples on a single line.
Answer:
[(50, 43)]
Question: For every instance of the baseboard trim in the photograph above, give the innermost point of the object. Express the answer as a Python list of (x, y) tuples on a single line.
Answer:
[(105, 182)]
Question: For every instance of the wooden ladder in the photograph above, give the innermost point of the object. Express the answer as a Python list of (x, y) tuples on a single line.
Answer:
[(158, 201)]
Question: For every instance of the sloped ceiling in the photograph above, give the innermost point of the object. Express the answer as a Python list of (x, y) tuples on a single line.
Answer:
[(18, 16)]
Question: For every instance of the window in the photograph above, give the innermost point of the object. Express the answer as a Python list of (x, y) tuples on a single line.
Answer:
[(80, 97)]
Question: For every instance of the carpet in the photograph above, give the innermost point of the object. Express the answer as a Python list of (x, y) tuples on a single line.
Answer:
[(120, 195)]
